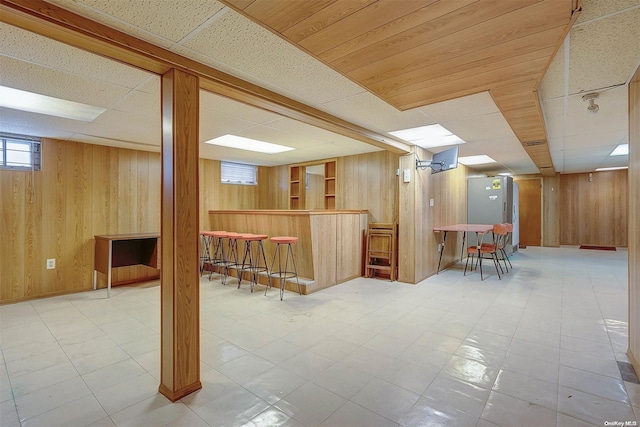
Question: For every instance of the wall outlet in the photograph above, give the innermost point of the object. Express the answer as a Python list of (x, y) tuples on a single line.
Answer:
[(51, 264), (431, 202), (407, 175)]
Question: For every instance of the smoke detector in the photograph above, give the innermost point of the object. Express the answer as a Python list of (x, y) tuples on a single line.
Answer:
[(591, 97)]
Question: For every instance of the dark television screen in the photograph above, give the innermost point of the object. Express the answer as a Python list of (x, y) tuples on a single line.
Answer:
[(445, 160)]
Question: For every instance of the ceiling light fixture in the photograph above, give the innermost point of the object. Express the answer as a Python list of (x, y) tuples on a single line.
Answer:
[(241, 143), (35, 103), (612, 169), (482, 159), (620, 150), (428, 136), (591, 97)]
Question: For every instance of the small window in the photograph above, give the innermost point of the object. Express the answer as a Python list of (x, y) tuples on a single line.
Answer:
[(19, 152), (238, 173)]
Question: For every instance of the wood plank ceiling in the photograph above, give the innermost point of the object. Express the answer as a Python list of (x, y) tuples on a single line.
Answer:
[(414, 53)]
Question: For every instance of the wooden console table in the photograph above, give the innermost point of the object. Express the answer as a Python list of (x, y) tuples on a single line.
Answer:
[(121, 250)]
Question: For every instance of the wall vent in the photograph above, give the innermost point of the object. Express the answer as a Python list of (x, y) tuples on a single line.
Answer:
[(533, 143)]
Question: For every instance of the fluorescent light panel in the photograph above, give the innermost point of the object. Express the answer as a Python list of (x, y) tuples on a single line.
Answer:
[(35, 103), (428, 136), (621, 150), (476, 160), (241, 143), (612, 169)]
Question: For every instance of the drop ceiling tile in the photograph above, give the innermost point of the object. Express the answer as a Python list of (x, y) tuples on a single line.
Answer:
[(461, 108), (34, 120), (615, 161), (47, 53), (592, 142), (277, 136), (339, 149), (575, 156), (139, 102), (129, 120), (234, 44), (605, 52), (370, 111), (91, 139), (294, 127), (213, 126), (608, 119), (553, 112), (553, 82), (216, 104), (142, 132), (151, 85), (485, 127), (33, 128), (158, 21), (592, 9), (45, 81)]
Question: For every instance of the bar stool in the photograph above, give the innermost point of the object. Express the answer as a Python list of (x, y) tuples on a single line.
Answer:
[(218, 260), (205, 251), (281, 273), (231, 256), (253, 260)]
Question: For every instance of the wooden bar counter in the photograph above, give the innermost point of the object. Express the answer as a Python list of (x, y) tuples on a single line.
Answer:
[(330, 248)]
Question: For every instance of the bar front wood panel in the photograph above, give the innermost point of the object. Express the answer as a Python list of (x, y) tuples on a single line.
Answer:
[(329, 249), (594, 212), (634, 221)]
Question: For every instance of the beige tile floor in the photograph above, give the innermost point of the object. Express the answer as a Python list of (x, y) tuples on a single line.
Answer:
[(537, 348)]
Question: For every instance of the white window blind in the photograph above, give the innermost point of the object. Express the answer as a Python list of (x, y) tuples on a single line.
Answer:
[(238, 173), (18, 152)]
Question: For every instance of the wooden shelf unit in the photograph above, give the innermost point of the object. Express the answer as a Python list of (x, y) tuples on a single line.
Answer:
[(330, 185), (296, 180), (381, 252)]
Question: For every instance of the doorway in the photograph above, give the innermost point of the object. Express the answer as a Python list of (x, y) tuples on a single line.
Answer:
[(530, 212)]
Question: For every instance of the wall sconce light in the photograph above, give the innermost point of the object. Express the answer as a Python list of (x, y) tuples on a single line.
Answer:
[(591, 97)]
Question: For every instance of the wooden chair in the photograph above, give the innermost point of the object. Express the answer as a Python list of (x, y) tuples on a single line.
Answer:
[(381, 251)]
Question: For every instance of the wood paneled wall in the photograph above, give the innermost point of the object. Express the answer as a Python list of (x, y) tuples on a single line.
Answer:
[(418, 254), (82, 190), (551, 211), (276, 195), (634, 221), (594, 212), (216, 195), (369, 181)]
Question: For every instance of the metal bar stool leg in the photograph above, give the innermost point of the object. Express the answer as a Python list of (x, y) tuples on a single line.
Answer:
[(283, 274)]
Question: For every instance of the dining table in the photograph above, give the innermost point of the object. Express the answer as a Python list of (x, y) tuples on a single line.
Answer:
[(459, 228)]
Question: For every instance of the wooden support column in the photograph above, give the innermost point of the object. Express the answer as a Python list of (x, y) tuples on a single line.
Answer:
[(179, 279)]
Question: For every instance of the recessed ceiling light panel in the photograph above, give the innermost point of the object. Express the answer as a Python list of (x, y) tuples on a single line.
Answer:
[(241, 143), (621, 150), (612, 169), (35, 103), (476, 160), (428, 136)]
